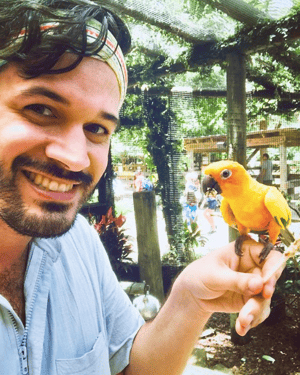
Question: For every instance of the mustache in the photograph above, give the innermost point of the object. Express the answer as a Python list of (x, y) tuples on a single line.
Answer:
[(52, 169)]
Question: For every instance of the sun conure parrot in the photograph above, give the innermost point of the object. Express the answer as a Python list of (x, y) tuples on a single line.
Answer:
[(248, 204)]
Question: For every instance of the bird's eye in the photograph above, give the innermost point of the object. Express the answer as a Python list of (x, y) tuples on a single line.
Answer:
[(226, 173)]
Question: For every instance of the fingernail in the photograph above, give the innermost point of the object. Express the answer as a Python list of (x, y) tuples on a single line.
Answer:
[(250, 319)]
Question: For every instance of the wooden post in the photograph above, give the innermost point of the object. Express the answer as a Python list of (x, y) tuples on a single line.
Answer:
[(236, 138), (191, 158), (263, 125), (283, 168), (236, 113), (147, 240), (236, 107)]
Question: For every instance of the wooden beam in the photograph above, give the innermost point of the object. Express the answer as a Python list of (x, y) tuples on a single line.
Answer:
[(206, 144), (260, 38), (254, 152), (293, 183), (166, 91), (160, 17), (153, 72), (265, 141), (250, 16), (247, 41), (239, 10)]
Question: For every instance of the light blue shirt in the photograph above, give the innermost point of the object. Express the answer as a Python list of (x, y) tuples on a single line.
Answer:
[(78, 319)]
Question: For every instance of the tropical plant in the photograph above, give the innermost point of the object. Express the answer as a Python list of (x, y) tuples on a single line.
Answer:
[(115, 241), (192, 238)]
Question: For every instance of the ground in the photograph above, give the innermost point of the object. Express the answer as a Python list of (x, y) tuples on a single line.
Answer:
[(273, 349)]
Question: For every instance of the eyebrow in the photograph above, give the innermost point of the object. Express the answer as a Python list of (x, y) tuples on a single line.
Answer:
[(109, 117), (42, 91)]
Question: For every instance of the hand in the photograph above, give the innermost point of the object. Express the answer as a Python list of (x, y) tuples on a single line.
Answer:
[(224, 282)]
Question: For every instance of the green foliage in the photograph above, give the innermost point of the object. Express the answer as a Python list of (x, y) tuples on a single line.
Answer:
[(290, 282), (132, 112), (201, 116), (162, 148), (192, 238)]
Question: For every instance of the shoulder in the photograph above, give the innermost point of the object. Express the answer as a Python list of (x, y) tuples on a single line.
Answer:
[(81, 231), (82, 242)]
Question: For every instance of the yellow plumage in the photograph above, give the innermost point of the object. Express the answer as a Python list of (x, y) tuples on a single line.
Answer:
[(248, 204)]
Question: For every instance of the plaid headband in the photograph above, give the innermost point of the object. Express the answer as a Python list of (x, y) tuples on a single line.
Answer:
[(111, 52)]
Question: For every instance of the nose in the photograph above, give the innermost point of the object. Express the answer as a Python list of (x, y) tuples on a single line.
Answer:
[(69, 148)]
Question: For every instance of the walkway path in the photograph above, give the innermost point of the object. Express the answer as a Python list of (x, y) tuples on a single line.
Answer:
[(218, 239)]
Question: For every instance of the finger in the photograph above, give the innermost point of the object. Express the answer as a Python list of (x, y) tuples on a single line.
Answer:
[(268, 266), (239, 282), (243, 328), (255, 311), (269, 288)]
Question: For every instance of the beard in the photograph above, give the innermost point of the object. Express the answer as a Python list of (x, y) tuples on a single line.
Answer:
[(52, 221)]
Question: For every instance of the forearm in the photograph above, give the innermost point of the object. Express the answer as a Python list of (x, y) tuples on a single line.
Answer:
[(164, 345)]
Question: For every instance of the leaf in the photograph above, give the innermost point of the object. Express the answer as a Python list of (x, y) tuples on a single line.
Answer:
[(208, 332), (268, 358), (119, 221)]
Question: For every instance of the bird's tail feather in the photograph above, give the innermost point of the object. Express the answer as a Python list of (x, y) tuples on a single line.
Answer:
[(287, 237)]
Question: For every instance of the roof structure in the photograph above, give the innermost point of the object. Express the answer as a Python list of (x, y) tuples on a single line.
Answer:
[(205, 32), (259, 139)]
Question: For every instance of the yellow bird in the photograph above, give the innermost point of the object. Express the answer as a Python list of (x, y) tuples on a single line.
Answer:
[(248, 204)]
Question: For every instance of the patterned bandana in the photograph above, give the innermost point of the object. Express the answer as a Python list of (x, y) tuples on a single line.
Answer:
[(111, 52)]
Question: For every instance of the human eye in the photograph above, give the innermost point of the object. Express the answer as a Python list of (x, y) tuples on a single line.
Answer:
[(40, 109), (97, 133), (95, 129)]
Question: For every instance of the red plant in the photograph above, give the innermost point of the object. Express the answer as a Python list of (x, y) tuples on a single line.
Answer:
[(108, 219), (115, 241)]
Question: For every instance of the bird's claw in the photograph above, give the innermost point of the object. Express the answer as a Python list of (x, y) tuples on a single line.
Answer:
[(265, 251), (239, 243)]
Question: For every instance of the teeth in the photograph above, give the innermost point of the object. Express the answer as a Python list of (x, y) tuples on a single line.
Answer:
[(38, 179), (53, 186), (63, 187), (48, 184)]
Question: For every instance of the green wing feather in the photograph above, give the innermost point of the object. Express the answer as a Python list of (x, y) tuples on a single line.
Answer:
[(278, 207)]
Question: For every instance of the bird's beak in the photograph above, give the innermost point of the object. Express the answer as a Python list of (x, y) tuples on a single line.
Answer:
[(209, 183)]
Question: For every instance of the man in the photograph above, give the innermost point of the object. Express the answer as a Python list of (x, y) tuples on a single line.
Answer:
[(62, 83), (266, 170)]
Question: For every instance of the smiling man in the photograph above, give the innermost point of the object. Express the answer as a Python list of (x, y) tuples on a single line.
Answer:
[(54, 141), (62, 82)]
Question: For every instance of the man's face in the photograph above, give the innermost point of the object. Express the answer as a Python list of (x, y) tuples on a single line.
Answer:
[(54, 140)]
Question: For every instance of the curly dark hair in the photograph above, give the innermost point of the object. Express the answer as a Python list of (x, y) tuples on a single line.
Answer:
[(40, 50)]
